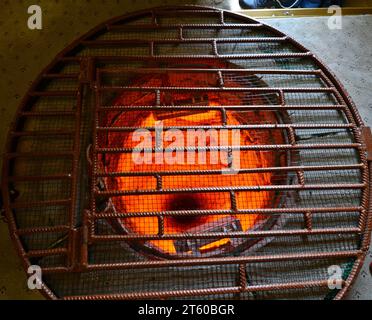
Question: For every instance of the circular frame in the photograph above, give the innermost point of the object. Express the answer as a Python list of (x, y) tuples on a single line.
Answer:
[(366, 197)]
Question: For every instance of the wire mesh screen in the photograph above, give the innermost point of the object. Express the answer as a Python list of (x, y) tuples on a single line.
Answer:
[(188, 152)]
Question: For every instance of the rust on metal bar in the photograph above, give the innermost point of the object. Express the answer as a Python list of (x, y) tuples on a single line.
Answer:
[(308, 221), (241, 107), (223, 260), (367, 138), (118, 193), (240, 147), (47, 252), (241, 127), (52, 229), (202, 57), (218, 89), (203, 292), (241, 170), (217, 235), (251, 71), (185, 26), (330, 210)]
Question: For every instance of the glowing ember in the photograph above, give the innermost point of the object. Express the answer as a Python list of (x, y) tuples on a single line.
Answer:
[(123, 162)]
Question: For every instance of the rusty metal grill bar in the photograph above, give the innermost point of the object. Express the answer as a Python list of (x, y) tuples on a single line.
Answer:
[(43, 229), (186, 26), (227, 107), (223, 260), (230, 127), (218, 89), (241, 170), (47, 252), (118, 193), (204, 292), (104, 43), (219, 235), (212, 261), (241, 147), (330, 210), (212, 70), (196, 57)]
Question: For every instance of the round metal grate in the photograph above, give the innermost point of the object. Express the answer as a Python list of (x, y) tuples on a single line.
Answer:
[(188, 152)]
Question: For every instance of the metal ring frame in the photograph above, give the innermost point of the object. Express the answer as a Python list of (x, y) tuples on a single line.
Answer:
[(362, 140)]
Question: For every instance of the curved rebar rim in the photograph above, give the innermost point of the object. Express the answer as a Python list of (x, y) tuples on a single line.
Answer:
[(366, 200)]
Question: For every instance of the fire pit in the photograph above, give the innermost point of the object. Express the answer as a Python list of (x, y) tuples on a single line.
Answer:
[(189, 212), (207, 156)]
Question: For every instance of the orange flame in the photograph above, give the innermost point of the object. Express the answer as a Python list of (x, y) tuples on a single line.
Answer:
[(148, 225)]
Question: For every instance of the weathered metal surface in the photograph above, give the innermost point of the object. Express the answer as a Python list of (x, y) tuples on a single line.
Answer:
[(64, 182)]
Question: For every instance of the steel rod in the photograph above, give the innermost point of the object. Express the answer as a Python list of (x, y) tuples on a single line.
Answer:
[(266, 211), (340, 186), (240, 171), (204, 291), (241, 148), (219, 235), (225, 260), (230, 127)]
